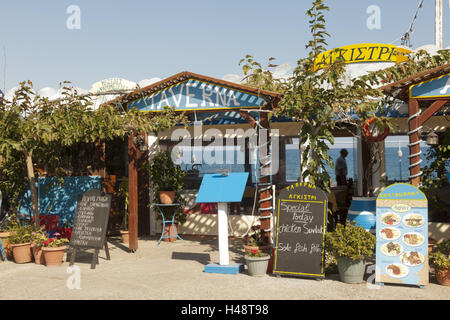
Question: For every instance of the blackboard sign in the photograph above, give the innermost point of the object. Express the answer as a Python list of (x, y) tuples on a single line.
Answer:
[(300, 233), (91, 220)]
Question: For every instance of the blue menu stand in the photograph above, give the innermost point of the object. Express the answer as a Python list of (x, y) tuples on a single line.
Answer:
[(221, 189), (164, 220)]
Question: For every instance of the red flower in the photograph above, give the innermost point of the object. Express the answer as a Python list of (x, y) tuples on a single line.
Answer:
[(254, 251), (45, 243), (51, 239)]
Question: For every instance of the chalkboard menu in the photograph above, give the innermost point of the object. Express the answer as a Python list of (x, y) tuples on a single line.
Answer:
[(402, 236), (300, 232), (91, 220)]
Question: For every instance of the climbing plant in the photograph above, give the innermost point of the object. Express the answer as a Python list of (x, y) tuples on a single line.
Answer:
[(322, 100), (34, 130), (434, 175)]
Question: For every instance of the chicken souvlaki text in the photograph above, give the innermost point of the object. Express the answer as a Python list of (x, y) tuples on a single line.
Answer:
[(296, 228)]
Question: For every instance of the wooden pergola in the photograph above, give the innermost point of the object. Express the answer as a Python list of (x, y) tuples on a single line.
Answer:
[(426, 93), (259, 101)]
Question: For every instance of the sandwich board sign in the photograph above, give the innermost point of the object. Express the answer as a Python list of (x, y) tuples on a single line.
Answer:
[(402, 236), (300, 233), (91, 222)]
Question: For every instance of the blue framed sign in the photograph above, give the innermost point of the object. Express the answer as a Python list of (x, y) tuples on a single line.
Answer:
[(434, 88), (402, 236), (222, 188), (197, 95)]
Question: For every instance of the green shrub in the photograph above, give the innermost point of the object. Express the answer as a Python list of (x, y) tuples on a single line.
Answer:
[(351, 242), (440, 257)]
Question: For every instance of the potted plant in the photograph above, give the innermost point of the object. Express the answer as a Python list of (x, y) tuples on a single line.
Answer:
[(166, 177), (167, 182), (123, 192), (256, 241), (5, 232), (37, 241), (440, 261), (257, 262), (20, 242), (53, 250), (351, 245)]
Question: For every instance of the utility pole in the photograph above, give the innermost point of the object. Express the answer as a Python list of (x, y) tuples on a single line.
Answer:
[(438, 28)]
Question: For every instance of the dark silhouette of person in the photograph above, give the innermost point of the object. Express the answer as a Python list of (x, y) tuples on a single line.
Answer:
[(340, 168)]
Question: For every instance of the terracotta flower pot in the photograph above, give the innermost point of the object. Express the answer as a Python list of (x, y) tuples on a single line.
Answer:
[(5, 242), (443, 277), (21, 252), (169, 231), (167, 197), (37, 254), (125, 236), (53, 256)]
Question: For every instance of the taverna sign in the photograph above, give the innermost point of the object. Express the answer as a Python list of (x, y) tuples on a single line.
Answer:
[(197, 95)]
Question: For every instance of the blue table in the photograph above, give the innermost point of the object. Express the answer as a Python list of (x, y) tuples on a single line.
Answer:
[(159, 206)]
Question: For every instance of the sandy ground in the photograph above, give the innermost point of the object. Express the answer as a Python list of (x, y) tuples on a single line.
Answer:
[(175, 271)]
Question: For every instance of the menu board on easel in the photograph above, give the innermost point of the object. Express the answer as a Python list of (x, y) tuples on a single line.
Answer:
[(300, 232), (402, 236)]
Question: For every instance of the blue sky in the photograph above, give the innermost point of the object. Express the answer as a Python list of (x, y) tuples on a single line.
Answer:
[(136, 40)]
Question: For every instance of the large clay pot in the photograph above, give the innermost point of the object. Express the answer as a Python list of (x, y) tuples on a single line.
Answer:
[(22, 252), (257, 266), (5, 242), (351, 271), (167, 197), (443, 277), (53, 256), (37, 254), (125, 236)]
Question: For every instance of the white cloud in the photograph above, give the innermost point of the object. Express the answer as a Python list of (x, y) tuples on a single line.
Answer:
[(146, 82), (232, 78)]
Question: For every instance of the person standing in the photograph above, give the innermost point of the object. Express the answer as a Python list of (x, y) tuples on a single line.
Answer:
[(340, 168)]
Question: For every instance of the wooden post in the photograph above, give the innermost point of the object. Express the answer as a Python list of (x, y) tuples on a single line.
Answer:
[(414, 142), (132, 195)]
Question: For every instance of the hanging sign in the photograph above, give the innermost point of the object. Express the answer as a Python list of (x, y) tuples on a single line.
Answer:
[(435, 88), (364, 52), (402, 236), (300, 233), (197, 95)]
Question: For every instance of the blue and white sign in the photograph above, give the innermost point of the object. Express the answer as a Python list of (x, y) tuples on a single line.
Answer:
[(435, 88), (402, 236), (197, 95)]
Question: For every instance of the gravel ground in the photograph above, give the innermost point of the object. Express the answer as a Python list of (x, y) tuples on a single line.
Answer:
[(175, 271)]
